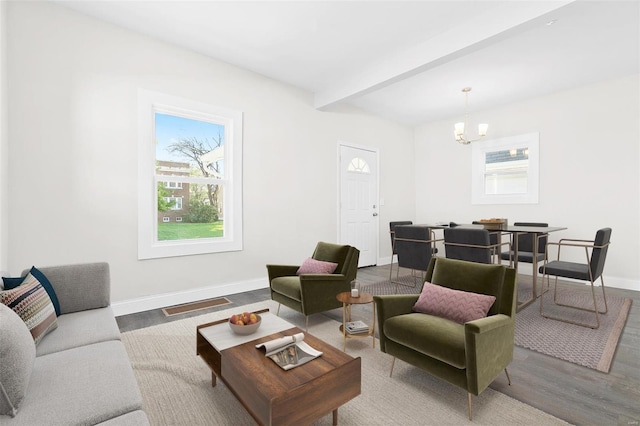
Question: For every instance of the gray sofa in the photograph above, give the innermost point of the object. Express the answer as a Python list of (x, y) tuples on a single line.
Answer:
[(81, 373)]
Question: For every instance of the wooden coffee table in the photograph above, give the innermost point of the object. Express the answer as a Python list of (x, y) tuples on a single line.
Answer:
[(270, 394)]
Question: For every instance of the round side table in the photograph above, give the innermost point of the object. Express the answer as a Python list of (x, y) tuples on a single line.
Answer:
[(348, 300)]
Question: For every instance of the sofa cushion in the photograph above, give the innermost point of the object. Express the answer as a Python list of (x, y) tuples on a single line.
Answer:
[(80, 329), (17, 353), (313, 266), (80, 287), (455, 305), (10, 283), (80, 386), (288, 286), (444, 341), (32, 303)]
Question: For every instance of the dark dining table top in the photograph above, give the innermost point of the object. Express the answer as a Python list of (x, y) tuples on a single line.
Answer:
[(508, 228)]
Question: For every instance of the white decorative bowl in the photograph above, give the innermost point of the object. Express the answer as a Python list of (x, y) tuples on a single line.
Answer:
[(246, 329)]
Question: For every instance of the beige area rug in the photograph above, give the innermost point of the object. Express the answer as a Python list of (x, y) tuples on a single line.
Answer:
[(176, 384), (580, 345)]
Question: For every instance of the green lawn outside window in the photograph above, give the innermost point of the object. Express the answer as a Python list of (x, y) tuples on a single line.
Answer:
[(188, 231)]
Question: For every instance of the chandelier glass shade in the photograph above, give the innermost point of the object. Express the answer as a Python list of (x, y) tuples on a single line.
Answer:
[(460, 128)]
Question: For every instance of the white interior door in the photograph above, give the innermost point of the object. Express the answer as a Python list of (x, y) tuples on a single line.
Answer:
[(358, 209)]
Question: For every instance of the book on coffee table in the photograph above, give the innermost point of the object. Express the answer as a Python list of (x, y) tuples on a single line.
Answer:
[(289, 351)]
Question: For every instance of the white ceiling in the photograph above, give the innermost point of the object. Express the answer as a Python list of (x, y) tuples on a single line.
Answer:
[(406, 61)]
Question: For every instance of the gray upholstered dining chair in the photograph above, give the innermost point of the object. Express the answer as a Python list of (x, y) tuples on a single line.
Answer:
[(495, 238), (589, 271), (470, 244), (525, 244), (392, 233), (414, 248)]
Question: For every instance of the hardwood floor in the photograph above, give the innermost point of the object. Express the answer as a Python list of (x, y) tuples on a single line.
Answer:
[(573, 393)]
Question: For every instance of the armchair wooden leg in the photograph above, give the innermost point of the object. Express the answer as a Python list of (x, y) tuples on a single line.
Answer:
[(393, 362), (306, 329), (278, 312), (470, 413), (508, 378)]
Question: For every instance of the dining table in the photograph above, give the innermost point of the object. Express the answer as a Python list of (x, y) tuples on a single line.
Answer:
[(536, 231)]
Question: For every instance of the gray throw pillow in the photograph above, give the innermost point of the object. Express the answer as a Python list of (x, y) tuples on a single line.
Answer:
[(17, 352)]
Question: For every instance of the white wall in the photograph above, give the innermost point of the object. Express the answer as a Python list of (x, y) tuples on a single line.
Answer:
[(589, 169), (4, 122), (73, 157)]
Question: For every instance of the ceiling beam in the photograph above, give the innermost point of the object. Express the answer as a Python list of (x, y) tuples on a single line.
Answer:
[(488, 28)]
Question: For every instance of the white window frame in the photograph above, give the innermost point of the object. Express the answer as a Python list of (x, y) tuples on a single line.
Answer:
[(150, 102), (529, 141)]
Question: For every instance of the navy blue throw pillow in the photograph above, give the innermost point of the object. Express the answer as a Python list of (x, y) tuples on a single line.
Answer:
[(48, 287), (10, 283)]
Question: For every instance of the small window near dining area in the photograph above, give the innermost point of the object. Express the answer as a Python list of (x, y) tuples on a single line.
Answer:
[(505, 170)]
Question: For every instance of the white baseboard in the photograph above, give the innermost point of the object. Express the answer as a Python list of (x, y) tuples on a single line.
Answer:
[(384, 260), (158, 301)]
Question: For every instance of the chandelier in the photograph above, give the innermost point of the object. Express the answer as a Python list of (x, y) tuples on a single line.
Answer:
[(460, 128)]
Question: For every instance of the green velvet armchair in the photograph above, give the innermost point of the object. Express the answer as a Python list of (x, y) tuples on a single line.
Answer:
[(314, 293), (469, 355)]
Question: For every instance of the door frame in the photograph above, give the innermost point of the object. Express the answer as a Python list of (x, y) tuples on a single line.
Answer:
[(376, 151)]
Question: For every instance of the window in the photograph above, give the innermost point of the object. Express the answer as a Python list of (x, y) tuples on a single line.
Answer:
[(175, 203), (505, 171), (190, 186), (358, 165)]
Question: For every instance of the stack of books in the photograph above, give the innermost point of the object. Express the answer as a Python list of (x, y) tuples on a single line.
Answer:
[(356, 327)]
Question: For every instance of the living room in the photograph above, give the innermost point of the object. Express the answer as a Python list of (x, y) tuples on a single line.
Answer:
[(69, 138)]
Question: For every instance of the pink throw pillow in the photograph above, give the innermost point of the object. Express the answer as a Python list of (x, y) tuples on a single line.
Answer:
[(312, 266), (455, 305)]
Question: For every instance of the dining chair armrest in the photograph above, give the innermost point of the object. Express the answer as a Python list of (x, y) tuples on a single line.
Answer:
[(572, 242)]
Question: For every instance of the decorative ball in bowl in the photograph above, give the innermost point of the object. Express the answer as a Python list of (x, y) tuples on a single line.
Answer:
[(245, 323)]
